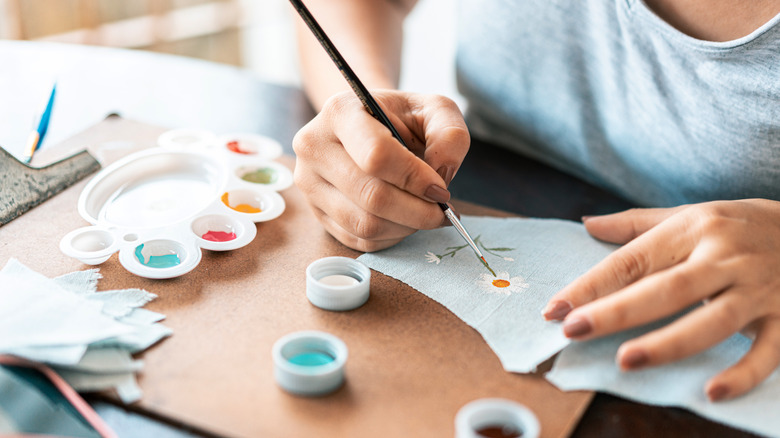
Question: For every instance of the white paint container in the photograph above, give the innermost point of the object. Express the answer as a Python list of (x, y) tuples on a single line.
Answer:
[(337, 283)]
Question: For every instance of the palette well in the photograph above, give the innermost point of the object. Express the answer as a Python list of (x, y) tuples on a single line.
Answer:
[(159, 207)]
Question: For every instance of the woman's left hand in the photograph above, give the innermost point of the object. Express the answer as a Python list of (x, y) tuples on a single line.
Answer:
[(724, 253)]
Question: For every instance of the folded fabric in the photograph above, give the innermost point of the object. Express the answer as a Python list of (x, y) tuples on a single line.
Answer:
[(533, 259), (591, 366), (35, 312), (86, 336)]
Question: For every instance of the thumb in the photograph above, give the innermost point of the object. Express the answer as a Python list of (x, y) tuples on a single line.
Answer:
[(627, 225)]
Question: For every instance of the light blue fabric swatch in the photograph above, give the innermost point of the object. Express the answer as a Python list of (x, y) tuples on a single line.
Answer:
[(591, 366), (537, 256), (547, 255), (36, 312), (86, 336)]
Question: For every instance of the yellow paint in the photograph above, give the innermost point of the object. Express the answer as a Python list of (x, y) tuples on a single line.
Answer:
[(500, 283), (243, 208)]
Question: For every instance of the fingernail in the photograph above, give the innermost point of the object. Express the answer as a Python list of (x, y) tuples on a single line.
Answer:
[(576, 327), (718, 392), (556, 310), (634, 359), (446, 173), (437, 194)]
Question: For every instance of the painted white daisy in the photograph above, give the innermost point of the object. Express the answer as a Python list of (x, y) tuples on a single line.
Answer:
[(502, 283), (432, 258), (509, 259)]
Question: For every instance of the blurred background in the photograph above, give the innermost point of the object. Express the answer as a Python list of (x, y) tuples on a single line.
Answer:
[(114, 56), (254, 34)]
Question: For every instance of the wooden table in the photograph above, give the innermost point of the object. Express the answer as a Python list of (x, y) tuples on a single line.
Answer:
[(392, 312), (412, 363)]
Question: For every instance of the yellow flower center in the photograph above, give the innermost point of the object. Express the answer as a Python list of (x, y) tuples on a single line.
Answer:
[(500, 283)]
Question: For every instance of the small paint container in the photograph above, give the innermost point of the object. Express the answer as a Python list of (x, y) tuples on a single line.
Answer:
[(250, 145), (185, 138), (495, 417), (267, 175), (160, 258), (309, 363), (92, 245), (337, 283)]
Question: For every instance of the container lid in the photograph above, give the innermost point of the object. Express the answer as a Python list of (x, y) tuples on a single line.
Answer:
[(309, 363), (337, 283), (495, 417)]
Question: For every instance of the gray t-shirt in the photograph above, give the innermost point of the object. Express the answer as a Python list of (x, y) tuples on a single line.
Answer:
[(608, 91)]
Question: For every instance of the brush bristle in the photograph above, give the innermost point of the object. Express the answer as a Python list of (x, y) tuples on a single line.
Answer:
[(487, 266)]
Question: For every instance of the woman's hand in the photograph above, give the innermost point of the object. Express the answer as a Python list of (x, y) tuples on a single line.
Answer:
[(725, 253), (367, 189)]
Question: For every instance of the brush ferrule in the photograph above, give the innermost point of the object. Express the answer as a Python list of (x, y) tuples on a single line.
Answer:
[(462, 231)]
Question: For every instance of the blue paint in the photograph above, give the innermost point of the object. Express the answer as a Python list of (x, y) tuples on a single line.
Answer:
[(157, 261), (312, 359)]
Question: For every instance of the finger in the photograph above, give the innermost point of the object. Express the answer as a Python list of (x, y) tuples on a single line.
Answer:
[(690, 334), (381, 198), (659, 295), (754, 367), (625, 226), (375, 151), (362, 224), (446, 136), (370, 194), (353, 241), (327, 201), (663, 246)]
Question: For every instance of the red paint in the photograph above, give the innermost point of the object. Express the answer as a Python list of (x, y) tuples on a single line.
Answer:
[(219, 236), (235, 146)]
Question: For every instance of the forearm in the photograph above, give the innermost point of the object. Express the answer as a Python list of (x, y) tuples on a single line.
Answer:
[(368, 33)]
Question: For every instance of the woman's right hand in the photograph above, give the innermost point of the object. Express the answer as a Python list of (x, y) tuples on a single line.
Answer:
[(365, 187)]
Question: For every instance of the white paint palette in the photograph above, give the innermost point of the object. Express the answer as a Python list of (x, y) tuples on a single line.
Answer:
[(160, 207)]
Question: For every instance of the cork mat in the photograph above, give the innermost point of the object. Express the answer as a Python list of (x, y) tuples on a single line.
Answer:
[(412, 364)]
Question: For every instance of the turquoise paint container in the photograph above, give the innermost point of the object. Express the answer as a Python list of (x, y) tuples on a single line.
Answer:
[(309, 363)]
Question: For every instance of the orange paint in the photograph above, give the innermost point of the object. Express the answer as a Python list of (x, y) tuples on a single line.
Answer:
[(500, 283), (243, 208), (246, 208)]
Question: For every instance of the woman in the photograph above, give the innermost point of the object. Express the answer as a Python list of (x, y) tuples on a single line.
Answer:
[(671, 104)]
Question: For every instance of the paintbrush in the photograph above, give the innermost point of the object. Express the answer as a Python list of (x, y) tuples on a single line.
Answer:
[(36, 136), (373, 108)]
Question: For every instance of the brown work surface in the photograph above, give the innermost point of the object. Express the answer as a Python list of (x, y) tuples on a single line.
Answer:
[(412, 363)]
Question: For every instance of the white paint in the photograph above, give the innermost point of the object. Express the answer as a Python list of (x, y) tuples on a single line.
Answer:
[(338, 280)]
